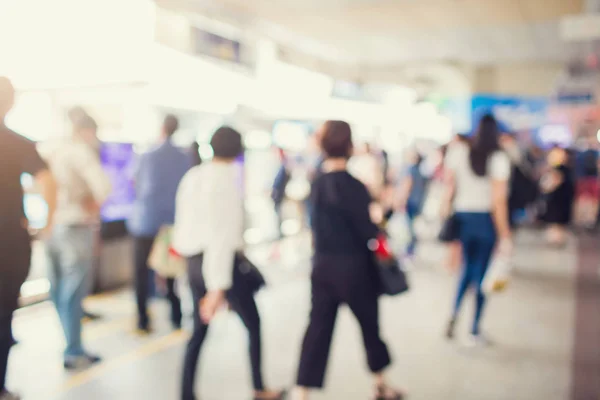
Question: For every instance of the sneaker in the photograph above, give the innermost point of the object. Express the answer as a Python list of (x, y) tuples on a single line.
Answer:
[(478, 340), (81, 362), (89, 317), (6, 395)]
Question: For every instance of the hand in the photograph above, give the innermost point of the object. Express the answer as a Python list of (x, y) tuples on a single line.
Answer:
[(210, 304)]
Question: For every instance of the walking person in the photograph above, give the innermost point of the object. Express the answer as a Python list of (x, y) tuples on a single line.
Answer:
[(412, 196), (82, 189), (208, 231), (157, 177), (477, 183), (343, 270), (18, 156)]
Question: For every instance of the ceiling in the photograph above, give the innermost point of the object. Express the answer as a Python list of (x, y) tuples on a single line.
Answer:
[(388, 32)]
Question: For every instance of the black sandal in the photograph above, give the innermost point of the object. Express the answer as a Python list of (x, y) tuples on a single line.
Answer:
[(386, 393)]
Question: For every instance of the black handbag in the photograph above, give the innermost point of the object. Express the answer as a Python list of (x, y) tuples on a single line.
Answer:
[(252, 278), (450, 231), (392, 279)]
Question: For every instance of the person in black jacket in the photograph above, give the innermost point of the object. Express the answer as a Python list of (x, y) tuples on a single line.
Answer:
[(343, 271)]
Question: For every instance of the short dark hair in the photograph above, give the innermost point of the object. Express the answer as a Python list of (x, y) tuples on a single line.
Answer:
[(226, 142), (336, 139), (170, 124), (85, 122), (76, 113)]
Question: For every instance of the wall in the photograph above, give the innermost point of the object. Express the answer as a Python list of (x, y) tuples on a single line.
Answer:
[(518, 79)]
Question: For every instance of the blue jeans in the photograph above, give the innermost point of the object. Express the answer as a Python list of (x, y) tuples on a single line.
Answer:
[(71, 255), (412, 212), (478, 238)]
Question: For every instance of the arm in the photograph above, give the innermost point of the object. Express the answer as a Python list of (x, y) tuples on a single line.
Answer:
[(450, 190), (48, 188), (500, 174), (359, 210)]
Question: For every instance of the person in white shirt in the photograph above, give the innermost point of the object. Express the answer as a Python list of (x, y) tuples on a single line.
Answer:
[(478, 173), (82, 188), (208, 231)]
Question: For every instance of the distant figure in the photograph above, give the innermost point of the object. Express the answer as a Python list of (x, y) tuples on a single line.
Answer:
[(157, 178), (588, 184), (195, 158), (559, 189), (83, 187), (18, 156), (279, 185)]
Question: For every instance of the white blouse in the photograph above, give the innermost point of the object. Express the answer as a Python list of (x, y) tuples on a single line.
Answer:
[(209, 219), (473, 192)]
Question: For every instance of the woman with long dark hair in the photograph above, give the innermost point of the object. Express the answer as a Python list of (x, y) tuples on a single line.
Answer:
[(343, 271), (478, 174)]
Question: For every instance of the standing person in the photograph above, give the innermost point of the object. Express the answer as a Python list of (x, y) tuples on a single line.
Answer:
[(343, 271), (412, 196), (279, 185), (76, 114), (82, 188), (559, 189), (18, 156), (209, 227), (157, 178), (523, 189), (477, 181)]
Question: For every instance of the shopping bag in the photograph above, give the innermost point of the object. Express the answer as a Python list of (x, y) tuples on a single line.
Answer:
[(163, 259), (498, 275)]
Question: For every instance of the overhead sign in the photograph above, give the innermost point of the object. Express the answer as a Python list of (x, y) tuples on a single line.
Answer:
[(516, 113), (209, 44), (580, 27)]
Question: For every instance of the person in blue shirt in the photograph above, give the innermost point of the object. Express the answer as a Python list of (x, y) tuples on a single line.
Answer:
[(412, 196), (156, 180)]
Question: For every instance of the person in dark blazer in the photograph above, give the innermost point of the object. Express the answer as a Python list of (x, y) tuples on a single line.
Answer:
[(343, 271)]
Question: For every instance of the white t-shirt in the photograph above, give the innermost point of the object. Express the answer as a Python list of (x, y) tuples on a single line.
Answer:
[(474, 193)]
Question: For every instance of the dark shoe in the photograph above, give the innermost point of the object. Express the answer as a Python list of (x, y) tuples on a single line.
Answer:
[(450, 329), (81, 362), (6, 395), (88, 317)]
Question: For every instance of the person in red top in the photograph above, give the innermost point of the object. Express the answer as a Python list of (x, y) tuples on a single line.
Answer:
[(18, 156)]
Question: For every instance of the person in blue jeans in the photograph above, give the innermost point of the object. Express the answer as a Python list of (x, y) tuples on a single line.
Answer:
[(83, 187), (477, 178), (413, 193)]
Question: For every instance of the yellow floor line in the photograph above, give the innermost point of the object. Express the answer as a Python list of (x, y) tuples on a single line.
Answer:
[(140, 353)]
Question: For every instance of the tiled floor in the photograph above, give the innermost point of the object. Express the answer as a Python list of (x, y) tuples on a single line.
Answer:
[(532, 325)]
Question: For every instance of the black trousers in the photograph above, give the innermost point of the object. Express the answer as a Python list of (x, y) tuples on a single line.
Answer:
[(15, 258), (336, 280), (241, 300), (142, 248)]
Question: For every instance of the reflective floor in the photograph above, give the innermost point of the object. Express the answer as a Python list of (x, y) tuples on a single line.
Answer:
[(533, 326)]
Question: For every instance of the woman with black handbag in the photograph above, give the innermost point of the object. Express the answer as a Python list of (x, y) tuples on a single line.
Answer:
[(343, 267), (208, 231)]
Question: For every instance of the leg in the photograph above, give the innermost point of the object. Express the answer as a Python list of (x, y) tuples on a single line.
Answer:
[(75, 263), (317, 341), (175, 303), (243, 303), (192, 353), (481, 261), (366, 310), (466, 276), (410, 219), (142, 248)]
